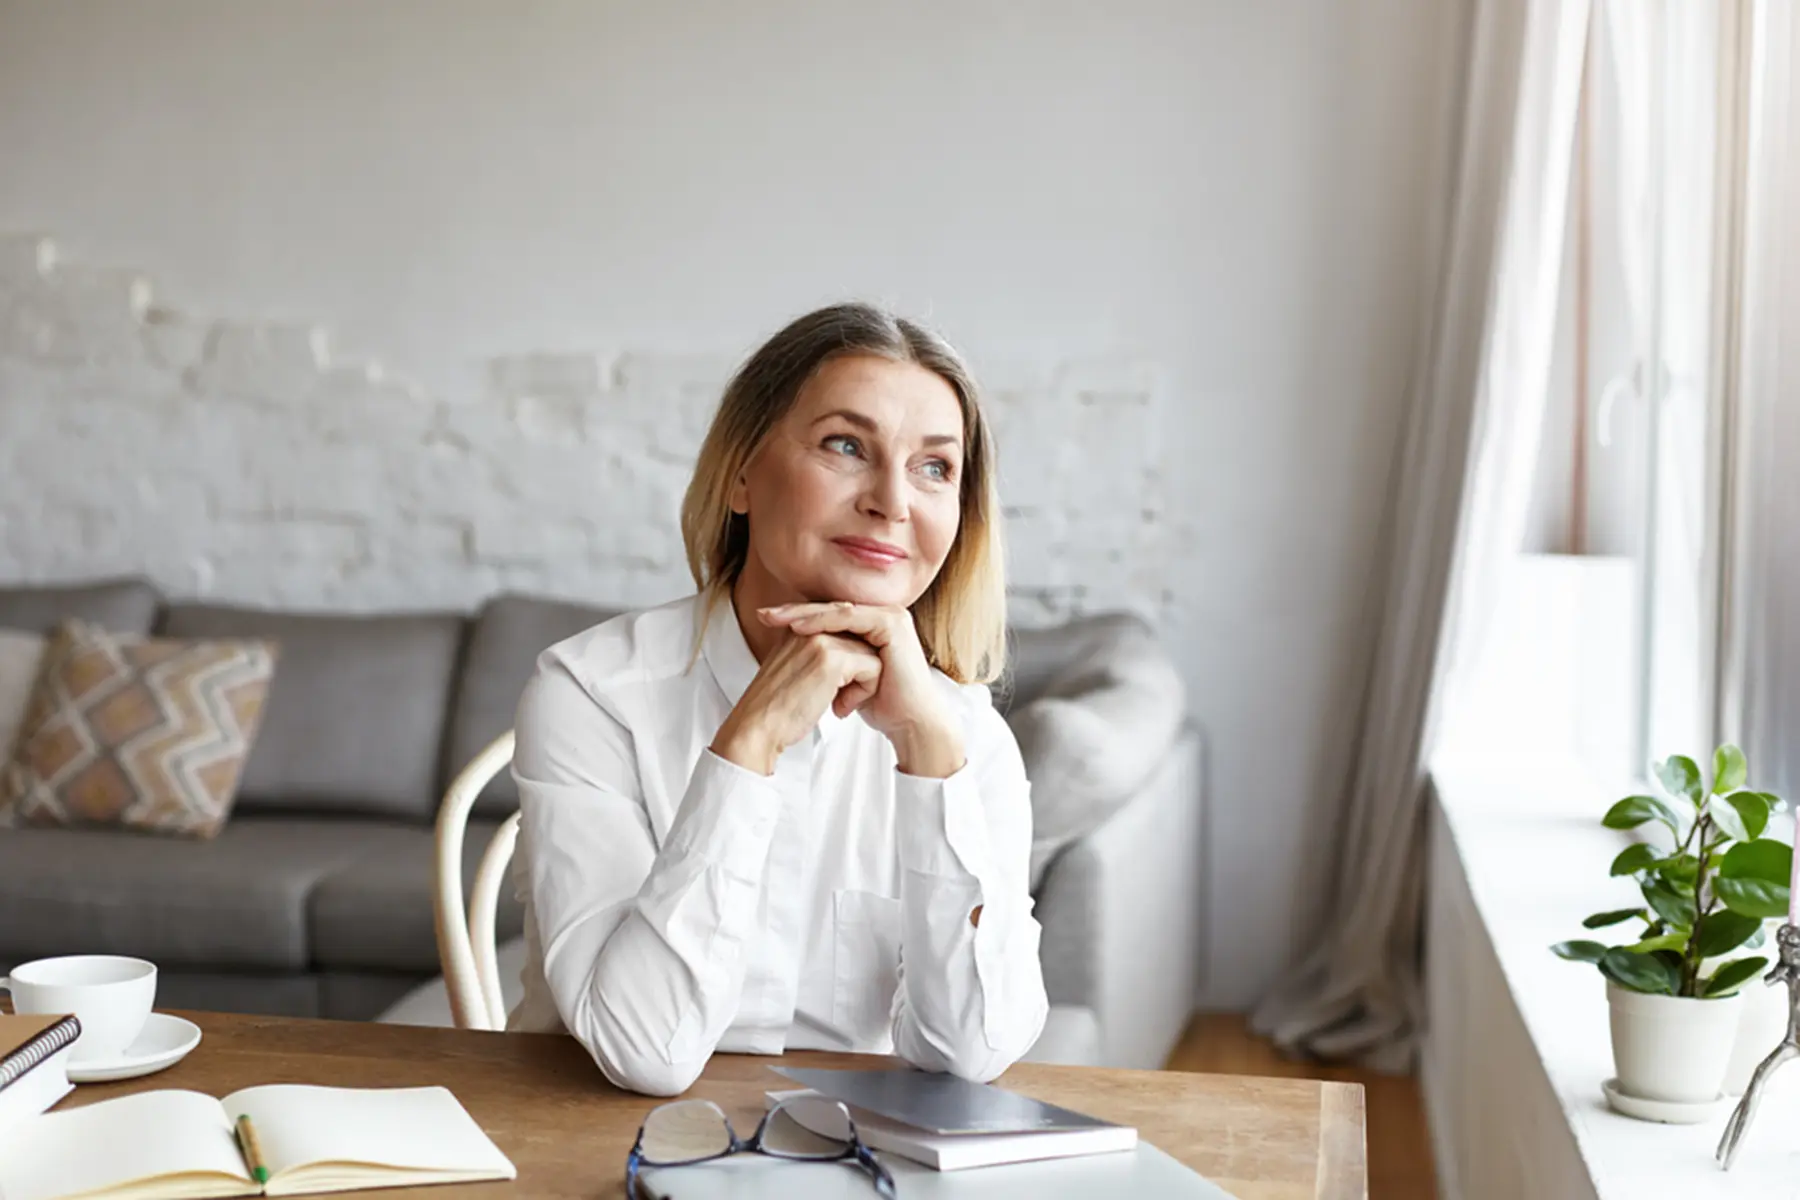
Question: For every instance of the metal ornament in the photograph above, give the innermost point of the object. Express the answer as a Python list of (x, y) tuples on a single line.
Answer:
[(1785, 971)]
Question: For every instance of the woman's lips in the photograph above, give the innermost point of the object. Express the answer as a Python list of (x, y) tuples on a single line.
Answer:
[(872, 553)]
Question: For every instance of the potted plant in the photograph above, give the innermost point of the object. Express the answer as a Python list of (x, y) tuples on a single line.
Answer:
[(1673, 990)]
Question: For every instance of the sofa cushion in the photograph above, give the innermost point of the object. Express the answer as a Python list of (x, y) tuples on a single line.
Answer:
[(1096, 706), (127, 730), (362, 995), (504, 643), (355, 718), (122, 605), (284, 994), (21, 654), (238, 900), (376, 912), (1071, 1038)]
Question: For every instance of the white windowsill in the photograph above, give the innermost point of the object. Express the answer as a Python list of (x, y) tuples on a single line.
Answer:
[(1535, 857)]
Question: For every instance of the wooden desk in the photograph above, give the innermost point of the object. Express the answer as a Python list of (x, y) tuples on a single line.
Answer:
[(547, 1106)]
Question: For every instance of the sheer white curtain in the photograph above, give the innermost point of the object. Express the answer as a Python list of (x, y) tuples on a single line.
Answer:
[(1458, 511), (1668, 107), (1762, 683)]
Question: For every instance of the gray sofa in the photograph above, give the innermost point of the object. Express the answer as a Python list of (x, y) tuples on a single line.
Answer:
[(316, 898)]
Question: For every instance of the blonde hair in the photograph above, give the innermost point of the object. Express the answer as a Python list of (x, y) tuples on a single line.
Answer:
[(962, 615)]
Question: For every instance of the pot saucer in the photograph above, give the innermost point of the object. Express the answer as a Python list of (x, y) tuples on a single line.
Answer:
[(165, 1041), (1668, 1112)]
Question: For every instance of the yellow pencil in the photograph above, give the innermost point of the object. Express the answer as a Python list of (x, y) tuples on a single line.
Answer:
[(253, 1155)]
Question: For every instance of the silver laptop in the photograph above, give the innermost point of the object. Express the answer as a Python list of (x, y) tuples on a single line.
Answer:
[(1145, 1173)]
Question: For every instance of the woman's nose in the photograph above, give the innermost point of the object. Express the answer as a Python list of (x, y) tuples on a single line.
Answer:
[(886, 494)]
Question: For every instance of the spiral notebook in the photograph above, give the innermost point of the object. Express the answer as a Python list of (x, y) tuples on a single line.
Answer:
[(34, 1064), (26, 1041)]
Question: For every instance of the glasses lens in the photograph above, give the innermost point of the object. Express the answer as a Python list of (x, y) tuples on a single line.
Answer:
[(686, 1131), (808, 1128)]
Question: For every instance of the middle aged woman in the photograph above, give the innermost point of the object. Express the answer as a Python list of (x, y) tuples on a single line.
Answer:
[(782, 813)]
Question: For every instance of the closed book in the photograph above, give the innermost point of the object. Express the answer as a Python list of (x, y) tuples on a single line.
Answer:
[(960, 1151)]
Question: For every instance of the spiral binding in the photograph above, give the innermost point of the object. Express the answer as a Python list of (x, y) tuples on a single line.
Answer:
[(14, 1065)]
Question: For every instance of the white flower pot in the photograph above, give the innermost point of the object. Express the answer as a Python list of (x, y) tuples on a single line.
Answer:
[(1760, 1030), (1671, 1048)]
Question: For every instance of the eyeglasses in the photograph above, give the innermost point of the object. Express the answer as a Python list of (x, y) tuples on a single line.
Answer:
[(805, 1129)]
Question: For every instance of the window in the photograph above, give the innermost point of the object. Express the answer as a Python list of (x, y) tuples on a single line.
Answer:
[(1600, 646)]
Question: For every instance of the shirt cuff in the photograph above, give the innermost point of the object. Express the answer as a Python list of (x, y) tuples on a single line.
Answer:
[(943, 830), (727, 817)]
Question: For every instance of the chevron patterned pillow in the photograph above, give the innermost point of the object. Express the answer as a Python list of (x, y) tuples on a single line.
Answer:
[(145, 733)]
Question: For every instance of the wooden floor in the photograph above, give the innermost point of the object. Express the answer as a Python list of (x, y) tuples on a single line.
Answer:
[(1399, 1150)]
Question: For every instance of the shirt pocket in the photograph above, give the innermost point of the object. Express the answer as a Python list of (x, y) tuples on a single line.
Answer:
[(865, 967)]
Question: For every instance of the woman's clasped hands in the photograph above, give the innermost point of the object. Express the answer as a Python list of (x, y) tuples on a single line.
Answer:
[(854, 658)]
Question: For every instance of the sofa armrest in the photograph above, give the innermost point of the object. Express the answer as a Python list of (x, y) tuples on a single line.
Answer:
[(1123, 914)]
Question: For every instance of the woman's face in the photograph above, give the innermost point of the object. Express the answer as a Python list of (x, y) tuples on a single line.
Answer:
[(855, 494)]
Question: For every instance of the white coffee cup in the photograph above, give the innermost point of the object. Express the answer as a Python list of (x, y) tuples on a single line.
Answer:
[(110, 994)]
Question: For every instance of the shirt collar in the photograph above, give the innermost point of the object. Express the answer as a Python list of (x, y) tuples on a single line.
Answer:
[(729, 658)]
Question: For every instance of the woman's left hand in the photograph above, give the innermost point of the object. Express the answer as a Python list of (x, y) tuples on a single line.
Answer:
[(907, 707)]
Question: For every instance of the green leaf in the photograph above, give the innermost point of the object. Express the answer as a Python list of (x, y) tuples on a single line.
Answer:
[(1728, 769), (1676, 910), (1727, 820), (1679, 869), (1635, 858), (1752, 897), (1776, 803), (1588, 952), (1756, 939), (1753, 809), (1639, 972), (1602, 920), (1673, 960), (1765, 859), (1681, 777), (1724, 931), (1665, 941), (1633, 811), (1732, 976)]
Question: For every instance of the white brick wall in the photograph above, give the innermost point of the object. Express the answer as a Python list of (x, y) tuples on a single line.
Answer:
[(241, 462)]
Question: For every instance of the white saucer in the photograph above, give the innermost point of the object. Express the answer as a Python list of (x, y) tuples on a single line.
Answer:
[(1669, 1112), (164, 1042)]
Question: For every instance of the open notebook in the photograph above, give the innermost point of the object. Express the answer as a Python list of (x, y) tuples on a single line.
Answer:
[(314, 1139)]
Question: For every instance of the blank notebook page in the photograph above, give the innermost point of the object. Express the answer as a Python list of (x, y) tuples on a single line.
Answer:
[(417, 1128), (133, 1137)]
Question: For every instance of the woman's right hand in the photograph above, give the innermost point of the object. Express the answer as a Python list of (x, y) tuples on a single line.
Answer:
[(791, 690)]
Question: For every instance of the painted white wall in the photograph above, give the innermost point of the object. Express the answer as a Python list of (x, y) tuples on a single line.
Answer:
[(1237, 194)]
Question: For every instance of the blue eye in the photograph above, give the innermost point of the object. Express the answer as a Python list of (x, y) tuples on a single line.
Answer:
[(837, 439), (941, 468)]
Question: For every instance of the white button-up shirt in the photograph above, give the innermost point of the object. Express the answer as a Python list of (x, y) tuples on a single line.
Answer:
[(678, 904)]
